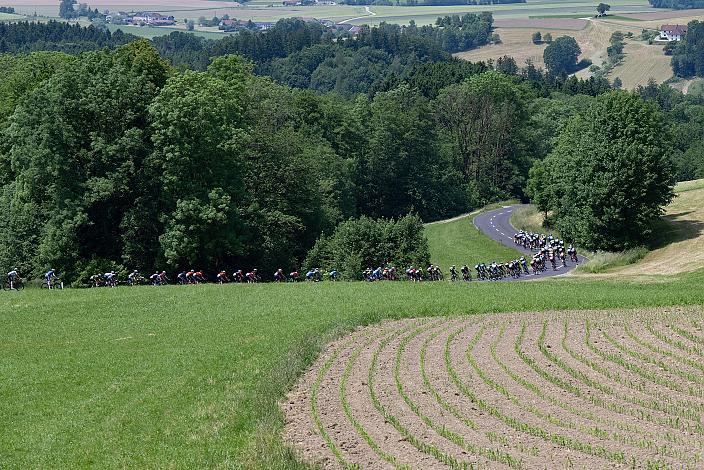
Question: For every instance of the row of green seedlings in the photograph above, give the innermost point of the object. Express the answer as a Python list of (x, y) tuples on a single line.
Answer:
[(672, 438), (322, 372), (664, 450), (677, 344), (574, 444), (626, 439), (594, 399), (557, 439), (616, 377), (654, 405), (688, 334), (493, 437), (490, 454), (676, 356), (419, 444), (658, 402), (694, 391)]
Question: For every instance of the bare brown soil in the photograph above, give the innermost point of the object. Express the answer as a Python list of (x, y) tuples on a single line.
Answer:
[(588, 389)]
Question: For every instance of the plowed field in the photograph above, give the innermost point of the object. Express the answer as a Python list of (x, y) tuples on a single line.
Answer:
[(589, 389)]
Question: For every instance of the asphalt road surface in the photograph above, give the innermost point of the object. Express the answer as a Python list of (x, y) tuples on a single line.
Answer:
[(496, 224)]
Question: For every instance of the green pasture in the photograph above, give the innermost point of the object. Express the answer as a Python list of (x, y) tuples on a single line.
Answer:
[(459, 242), (152, 32), (267, 10), (191, 377), (10, 17)]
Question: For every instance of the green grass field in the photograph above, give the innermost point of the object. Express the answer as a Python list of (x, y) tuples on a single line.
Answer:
[(190, 377), (459, 241)]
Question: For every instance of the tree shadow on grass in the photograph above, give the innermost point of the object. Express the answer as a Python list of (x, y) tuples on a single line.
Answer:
[(672, 229)]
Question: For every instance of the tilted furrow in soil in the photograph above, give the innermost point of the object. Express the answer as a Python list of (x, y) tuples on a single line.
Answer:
[(312, 410), (485, 397), (406, 370), (646, 401), (497, 434), (445, 419), (691, 330), (654, 414), (540, 393), (435, 450), (591, 389), (578, 380), (677, 340), (666, 348), (612, 347), (662, 370)]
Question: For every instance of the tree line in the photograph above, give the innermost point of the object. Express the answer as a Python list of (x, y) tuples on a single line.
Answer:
[(116, 158)]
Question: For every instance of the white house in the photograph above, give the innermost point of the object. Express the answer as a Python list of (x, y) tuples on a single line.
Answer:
[(672, 32)]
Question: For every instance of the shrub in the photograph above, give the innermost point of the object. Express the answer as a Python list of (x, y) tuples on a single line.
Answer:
[(362, 243)]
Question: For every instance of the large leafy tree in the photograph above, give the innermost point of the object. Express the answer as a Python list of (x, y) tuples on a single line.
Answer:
[(398, 170), (76, 144), (484, 117), (199, 134), (610, 175), (561, 55)]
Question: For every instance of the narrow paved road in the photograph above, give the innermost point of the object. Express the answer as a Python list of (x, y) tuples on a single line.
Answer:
[(496, 224)]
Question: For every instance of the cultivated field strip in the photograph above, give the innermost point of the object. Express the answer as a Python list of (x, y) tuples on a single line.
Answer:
[(589, 389)]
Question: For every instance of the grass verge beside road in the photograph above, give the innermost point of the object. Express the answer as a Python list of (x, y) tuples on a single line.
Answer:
[(459, 241)]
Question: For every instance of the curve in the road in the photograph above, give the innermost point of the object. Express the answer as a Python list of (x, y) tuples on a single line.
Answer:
[(496, 224)]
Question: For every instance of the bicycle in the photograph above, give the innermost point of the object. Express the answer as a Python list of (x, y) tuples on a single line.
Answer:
[(16, 284), (56, 283)]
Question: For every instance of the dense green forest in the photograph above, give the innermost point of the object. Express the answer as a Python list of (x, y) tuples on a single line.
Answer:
[(127, 157)]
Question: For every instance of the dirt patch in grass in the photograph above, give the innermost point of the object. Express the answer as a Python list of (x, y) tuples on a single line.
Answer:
[(595, 389)]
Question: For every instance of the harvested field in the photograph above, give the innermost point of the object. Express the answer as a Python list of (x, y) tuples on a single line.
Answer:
[(591, 389), (642, 62), (663, 15), (543, 23)]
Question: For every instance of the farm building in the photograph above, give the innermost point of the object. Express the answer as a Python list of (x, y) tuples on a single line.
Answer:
[(152, 19), (672, 32)]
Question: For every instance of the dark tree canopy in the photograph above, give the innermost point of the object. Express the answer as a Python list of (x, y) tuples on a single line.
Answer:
[(561, 55), (610, 175)]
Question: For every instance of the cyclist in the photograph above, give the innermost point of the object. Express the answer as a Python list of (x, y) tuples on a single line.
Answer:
[(12, 277), (155, 278), (95, 280), (238, 276), (279, 275), (110, 279), (163, 279), (294, 276), (466, 274), (310, 275), (333, 274), (133, 278), (198, 276), (50, 276), (453, 273), (182, 278), (222, 277)]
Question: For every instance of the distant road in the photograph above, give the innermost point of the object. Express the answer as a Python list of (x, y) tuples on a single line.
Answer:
[(496, 224)]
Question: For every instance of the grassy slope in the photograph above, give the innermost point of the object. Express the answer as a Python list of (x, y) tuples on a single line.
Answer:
[(458, 242), (190, 377), (681, 238), (682, 235)]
